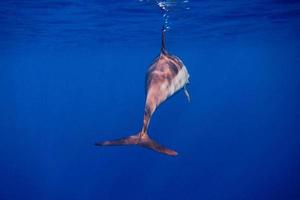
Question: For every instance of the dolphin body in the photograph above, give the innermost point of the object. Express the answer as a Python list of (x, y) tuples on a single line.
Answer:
[(166, 75)]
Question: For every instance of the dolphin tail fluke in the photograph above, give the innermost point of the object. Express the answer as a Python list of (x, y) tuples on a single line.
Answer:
[(147, 142), (140, 139)]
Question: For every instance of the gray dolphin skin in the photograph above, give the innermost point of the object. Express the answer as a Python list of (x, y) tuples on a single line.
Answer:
[(166, 75)]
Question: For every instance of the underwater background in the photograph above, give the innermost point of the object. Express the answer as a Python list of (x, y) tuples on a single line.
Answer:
[(73, 73)]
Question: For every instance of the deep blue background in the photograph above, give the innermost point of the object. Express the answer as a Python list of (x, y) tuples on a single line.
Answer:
[(72, 73)]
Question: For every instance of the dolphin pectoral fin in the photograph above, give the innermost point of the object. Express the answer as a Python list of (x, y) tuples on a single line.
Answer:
[(187, 94), (147, 142), (140, 139)]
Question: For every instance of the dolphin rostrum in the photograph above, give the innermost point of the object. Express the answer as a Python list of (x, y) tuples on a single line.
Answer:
[(165, 76)]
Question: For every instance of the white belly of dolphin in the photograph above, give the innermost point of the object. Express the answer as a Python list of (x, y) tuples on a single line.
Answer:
[(178, 82)]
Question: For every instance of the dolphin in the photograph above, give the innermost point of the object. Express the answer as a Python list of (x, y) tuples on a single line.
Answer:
[(165, 76)]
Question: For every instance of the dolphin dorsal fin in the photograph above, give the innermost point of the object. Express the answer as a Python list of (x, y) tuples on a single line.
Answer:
[(163, 41)]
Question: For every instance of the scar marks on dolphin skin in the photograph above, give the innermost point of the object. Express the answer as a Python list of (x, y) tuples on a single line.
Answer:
[(164, 69), (149, 109), (173, 68)]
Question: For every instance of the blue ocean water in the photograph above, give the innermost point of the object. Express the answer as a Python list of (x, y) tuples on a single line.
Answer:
[(73, 72)]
